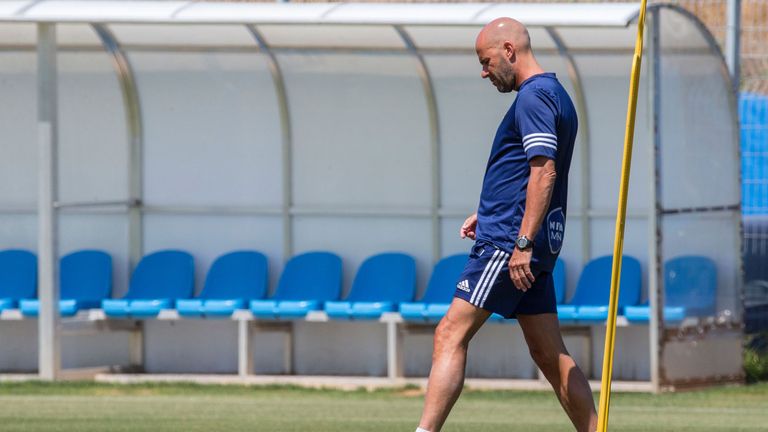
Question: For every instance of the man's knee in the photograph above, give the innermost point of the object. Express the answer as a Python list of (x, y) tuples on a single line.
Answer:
[(545, 358), (545, 343), (458, 326), (453, 333), (548, 356), (449, 334)]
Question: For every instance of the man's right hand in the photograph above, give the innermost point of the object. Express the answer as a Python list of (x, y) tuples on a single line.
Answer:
[(469, 227)]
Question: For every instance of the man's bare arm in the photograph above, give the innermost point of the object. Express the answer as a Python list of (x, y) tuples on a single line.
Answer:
[(538, 195)]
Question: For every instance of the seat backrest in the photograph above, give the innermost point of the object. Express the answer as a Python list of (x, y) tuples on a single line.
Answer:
[(18, 274), (594, 285), (445, 275), (237, 275), (86, 275), (163, 274), (385, 277), (310, 276), (691, 281), (558, 274)]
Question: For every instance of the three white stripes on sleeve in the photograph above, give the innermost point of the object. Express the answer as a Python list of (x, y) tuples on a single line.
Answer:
[(489, 275), (539, 139)]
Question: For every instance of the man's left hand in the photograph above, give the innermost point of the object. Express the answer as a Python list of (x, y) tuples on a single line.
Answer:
[(520, 269)]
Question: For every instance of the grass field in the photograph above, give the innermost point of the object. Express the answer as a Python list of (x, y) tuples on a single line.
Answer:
[(180, 407)]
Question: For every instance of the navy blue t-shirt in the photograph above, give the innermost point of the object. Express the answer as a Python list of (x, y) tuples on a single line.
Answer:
[(541, 122)]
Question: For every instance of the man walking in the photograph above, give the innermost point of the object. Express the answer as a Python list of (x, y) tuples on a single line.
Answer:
[(520, 222)]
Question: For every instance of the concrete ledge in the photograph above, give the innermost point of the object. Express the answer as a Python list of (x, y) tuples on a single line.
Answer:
[(74, 374), (90, 315), (19, 377), (82, 374), (350, 383)]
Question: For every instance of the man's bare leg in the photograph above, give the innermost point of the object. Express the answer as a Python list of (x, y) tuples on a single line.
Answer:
[(542, 333), (449, 359)]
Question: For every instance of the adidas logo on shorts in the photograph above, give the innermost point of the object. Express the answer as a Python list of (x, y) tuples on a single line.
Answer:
[(463, 285)]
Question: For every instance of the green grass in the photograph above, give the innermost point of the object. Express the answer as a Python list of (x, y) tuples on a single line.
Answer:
[(34, 406), (756, 357)]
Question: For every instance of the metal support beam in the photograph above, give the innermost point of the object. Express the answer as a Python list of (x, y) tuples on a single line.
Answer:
[(49, 354), (733, 41), (655, 279), (434, 147), (135, 129), (136, 347), (287, 139), (394, 350), (584, 139), (244, 348), (288, 351)]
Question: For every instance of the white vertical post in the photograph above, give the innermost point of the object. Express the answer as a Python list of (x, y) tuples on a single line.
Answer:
[(288, 362), (135, 125), (49, 354), (733, 41), (655, 280), (434, 142), (287, 138), (394, 350), (244, 351), (136, 347)]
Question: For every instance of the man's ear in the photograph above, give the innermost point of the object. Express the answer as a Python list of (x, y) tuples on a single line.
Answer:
[(509, 50)]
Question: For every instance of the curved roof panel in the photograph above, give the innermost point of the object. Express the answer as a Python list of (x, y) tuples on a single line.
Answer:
[(191, 12), (565, 14)]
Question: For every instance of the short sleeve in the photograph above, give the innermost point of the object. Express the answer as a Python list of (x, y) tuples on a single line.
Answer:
[(536, 117)]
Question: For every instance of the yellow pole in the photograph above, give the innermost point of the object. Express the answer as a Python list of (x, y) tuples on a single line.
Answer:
[(621, 215)]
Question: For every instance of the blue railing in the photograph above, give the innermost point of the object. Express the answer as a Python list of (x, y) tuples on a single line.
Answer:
[(753, 112)]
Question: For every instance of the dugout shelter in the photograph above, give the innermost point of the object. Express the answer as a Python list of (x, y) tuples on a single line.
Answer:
[(133, 126)]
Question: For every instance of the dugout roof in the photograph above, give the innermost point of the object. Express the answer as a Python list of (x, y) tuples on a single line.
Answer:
[(192, 12)]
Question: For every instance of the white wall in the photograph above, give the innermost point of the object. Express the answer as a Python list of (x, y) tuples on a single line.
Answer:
[(212, 164)]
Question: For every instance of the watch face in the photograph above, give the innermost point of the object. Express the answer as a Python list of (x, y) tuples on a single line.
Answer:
[(522, 243)]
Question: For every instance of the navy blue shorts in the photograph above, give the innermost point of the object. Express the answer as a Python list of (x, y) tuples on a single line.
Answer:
[(485, 283)]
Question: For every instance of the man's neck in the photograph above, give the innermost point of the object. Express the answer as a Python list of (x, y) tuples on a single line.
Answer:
[(527, 70)]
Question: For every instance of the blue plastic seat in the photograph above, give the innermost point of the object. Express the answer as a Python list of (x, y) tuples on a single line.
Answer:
[(558, 274), (500, 319), (590, 302), (233, 280), (18, 277), (85, 280), (439, 293), (690, 287), (382, 282), (159, 279), (307, 281)]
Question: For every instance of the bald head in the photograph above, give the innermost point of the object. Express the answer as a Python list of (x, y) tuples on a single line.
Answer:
[(501, 30), (504, 49)]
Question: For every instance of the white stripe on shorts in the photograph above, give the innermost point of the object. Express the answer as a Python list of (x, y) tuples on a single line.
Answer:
[(486, 288), (485, 272), (495, 275)]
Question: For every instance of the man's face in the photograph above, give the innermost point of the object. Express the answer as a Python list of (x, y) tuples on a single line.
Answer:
[(496, 66)]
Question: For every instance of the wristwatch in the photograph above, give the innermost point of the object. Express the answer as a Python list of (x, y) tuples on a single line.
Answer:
[(523, 243)]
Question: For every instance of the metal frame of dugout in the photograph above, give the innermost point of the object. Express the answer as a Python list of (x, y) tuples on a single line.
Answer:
[(688, 100)]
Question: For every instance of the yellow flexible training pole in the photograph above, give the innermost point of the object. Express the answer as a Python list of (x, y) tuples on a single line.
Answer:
[(621, 215)]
